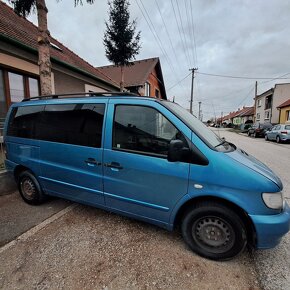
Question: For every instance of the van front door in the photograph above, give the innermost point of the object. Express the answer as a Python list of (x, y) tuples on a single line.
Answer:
[(138, 178)]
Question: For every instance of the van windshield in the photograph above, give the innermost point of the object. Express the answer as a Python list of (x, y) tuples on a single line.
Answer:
[(201, 130)]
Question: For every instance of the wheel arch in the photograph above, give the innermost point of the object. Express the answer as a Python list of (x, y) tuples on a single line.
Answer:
[(18, 169), (251, 231)]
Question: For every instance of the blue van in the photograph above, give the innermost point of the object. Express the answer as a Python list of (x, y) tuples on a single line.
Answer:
[(147, 159)]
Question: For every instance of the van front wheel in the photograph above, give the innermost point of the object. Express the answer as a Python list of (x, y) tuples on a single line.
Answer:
[(29, 188), (214, 231)]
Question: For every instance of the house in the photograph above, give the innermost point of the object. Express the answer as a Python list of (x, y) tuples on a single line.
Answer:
[(247, 115), (143, 77), (266, 104), (284, 112), (19, 71)]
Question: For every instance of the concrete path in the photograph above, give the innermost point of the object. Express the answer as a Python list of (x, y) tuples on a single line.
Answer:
[(17, 217)]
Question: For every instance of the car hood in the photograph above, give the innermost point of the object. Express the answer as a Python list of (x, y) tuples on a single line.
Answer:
[(251, 162)]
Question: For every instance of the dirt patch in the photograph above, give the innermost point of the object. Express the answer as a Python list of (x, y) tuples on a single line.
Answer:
[(92, 249)]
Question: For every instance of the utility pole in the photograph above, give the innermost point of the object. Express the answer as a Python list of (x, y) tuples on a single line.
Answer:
[(199, 111), (255, 100), (192, 81)]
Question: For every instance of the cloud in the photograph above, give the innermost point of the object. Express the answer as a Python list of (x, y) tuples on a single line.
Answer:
[(240, 38)]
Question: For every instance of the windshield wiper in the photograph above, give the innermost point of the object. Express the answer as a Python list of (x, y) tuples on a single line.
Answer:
[(223, 142)]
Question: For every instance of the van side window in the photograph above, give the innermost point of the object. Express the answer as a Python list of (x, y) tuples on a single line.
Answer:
[(77, 124), (23, 121), (142, 129)]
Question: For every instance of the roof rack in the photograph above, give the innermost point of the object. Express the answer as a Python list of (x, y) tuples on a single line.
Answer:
[(83, 94)]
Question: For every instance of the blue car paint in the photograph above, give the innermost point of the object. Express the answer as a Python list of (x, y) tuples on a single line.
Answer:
[(148, 188)]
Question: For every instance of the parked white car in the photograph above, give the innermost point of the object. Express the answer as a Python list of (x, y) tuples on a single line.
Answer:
[(279, 133)]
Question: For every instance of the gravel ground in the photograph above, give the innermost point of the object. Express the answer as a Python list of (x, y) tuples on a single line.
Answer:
[(273, 266), (92, 249)]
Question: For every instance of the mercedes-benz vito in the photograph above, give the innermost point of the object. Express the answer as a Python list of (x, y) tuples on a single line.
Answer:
[(148, 159)]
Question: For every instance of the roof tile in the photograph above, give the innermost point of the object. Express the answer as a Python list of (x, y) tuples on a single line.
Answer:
[(22, 30), (135, 75)]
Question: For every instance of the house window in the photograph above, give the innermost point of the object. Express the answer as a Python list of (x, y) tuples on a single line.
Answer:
[(259, 103), (288, 116), (258, 116), (147, 89), (267, 115), (268, 102), (3, 103), (16, 86), (157, 94), (33, 87)]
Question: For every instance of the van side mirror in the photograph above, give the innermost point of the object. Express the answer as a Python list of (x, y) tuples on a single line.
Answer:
[(177, 151)]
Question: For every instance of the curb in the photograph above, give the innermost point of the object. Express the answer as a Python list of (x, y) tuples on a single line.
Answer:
[(7, 183), (34, 230)]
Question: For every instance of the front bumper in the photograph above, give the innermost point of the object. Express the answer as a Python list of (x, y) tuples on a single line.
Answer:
[(271, 228)]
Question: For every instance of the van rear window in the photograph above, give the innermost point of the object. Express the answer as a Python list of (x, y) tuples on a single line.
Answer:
[(77, 124), (23, 121)]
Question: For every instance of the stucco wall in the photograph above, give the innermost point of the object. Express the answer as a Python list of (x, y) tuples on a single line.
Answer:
[(281, 95), (283, 115), (21, 64), (260, 110)]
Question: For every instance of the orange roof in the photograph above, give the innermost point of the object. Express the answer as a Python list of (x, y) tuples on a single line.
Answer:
[(285, 104), (18, 29)]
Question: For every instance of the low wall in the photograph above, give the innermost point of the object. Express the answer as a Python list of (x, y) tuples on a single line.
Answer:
[(7, 183)]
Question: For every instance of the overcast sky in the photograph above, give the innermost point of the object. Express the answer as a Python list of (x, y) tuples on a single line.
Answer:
[(237, 38)]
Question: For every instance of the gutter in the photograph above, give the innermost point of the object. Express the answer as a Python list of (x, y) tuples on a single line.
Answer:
[(53, 59)]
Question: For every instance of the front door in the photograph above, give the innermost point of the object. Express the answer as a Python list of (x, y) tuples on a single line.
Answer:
[(71, 151), (138, 178)]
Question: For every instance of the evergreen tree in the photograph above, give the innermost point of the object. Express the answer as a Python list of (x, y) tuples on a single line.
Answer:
[(121, 43)]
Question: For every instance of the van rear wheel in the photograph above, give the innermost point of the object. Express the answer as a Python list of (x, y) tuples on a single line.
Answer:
[(214, 231), (29, 188)]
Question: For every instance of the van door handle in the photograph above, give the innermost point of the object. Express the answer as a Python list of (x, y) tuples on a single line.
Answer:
[(114, 165), (92, 162)]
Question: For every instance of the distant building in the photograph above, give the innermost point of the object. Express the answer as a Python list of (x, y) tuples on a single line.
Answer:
[(284, 112), (143, 77), (266, 104)]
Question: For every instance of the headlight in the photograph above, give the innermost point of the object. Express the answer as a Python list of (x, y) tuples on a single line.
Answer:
[(274, 200)]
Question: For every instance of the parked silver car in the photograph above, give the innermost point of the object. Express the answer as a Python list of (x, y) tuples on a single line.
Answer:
[(280, 133)]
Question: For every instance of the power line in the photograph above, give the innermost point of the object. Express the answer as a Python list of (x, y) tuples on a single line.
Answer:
[(193, 32), (240, 77), (168, 35), (181, 22), (179, 82), (155, 34), (279, 77), (182, 43), (190, 31)]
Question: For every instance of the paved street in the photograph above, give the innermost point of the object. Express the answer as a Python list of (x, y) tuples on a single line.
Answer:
[(273, 266)]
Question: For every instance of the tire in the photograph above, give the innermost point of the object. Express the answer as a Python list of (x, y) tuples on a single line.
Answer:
[(29, 188), (278, 139), (249, 134), (214, 231)]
